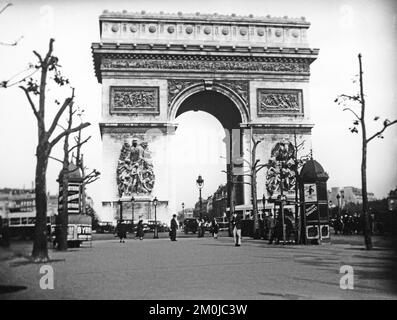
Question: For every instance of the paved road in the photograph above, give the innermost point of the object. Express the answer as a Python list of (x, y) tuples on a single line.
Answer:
[(200, 268)]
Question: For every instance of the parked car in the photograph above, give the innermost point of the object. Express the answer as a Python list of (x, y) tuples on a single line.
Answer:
[(161, 227), (105, 227), (190, 225)]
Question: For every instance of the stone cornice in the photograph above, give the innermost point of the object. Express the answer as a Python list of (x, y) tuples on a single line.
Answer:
[(113, 47), (200, 17), (114, 127), (299, 127)]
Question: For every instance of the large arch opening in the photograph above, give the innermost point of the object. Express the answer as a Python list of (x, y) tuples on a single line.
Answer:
[(198, 111), (216, 104)]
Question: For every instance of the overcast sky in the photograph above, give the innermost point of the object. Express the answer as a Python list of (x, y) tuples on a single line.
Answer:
[(340, 29)]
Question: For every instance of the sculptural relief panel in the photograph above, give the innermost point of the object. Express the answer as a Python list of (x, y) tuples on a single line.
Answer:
[(132, 100), (135, 173), (279, 102)]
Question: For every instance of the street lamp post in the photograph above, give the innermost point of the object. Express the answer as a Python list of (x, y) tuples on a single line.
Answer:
[(338, 198), (183, 209), (200, 184), (156, 234), (132, 211)]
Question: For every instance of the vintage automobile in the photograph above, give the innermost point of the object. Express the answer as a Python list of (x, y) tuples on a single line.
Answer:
[(190, 225)]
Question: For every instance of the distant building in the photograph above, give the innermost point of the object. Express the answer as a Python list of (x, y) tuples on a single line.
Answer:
[(219, 201), (347, 195), (204, 208)]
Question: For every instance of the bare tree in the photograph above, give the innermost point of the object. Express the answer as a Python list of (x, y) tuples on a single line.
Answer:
[(254, 167), (46, 141), (349, 102)]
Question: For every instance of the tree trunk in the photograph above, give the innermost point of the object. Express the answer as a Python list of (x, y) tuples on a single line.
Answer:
[(63, 213), (367, 226), (40, 248), (255, 206), (256, 233)]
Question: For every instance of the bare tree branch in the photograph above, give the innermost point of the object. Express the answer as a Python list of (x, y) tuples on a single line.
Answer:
[(385, 125), (91, 180), (62, 134), (31, 103), (5, 7), (79, 144), (50, 50), (65, 104), (347, 96), (38, 56), (349, 109), (55, 159)]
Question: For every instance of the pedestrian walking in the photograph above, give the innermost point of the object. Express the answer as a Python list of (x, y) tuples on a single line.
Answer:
[(214, 228), (139, 230), (236, 226), (271, 226), (122, 231), (198, 228), (202, 227), (174, 227), (277, 233)]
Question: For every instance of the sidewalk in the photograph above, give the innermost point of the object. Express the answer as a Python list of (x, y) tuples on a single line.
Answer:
[(200, 268)]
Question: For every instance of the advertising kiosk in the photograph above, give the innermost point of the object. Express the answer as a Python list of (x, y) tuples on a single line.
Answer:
[(314, 202)]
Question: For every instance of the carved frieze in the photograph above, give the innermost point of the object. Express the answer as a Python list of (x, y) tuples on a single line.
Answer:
[(196, 64), (133, 100), (279, 102), (240, 87), (177, 86)]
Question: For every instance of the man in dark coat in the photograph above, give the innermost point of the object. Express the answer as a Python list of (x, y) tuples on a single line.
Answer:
[(174, 227), (139, 230), (122, 231), (236, 227)]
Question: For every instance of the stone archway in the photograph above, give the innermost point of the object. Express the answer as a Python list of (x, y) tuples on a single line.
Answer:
[(230, 110), (152, 66), (183, 90)]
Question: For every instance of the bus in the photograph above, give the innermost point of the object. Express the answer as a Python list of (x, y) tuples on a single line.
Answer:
[(22, 224)]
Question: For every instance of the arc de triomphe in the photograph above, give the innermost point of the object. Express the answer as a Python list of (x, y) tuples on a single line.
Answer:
[(251, 73)]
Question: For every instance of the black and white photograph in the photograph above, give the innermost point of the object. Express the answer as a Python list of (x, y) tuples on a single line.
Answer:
[(198, 155)]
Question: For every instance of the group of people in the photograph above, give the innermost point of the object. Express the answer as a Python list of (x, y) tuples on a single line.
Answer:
[(350, 224), (271, 228), (122, 231), (202, 224)]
